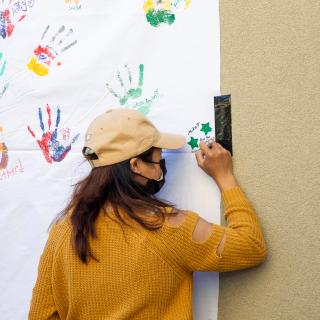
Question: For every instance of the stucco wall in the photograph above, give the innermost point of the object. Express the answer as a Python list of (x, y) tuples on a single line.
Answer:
[(270, 63)]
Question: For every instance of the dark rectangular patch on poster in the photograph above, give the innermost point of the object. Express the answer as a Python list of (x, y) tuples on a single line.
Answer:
[(223, 129)]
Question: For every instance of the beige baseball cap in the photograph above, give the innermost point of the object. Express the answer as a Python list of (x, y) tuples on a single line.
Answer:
[(122, 133)]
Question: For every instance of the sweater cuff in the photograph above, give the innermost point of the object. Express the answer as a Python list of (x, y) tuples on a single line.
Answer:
[(234, 196)]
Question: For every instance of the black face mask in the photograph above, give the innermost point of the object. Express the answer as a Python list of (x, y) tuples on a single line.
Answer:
[(153, 186)]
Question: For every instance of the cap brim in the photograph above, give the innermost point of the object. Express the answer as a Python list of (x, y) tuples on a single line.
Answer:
[(170, 141)]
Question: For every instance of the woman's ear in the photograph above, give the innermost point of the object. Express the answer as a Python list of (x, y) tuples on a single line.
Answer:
[(134, 165)]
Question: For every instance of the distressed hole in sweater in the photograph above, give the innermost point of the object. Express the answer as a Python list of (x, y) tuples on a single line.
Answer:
[(202, 231), (221, 245)]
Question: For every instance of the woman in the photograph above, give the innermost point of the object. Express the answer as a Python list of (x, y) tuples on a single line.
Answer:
[(118, 252)]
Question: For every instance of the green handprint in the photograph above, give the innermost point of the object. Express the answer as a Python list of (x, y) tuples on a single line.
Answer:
[(163, 11), (133, 92)]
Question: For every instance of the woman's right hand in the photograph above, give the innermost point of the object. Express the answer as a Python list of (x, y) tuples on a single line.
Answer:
[(217, 163)]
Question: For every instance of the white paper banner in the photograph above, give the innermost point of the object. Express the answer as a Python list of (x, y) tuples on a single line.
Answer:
[(64, 62)]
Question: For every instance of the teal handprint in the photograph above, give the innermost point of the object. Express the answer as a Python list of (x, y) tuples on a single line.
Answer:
[(3, 67), (3, 84), (133, 92)]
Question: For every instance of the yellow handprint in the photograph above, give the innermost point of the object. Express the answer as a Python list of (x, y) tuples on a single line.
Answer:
[(48, 49)]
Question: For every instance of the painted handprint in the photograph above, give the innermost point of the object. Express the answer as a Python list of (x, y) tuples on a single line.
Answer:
[(73, 4), (133, 92), (12, 12), (3, 152), (3, 84), (52, 149), (163, 11), (48, 49), (16, 166)]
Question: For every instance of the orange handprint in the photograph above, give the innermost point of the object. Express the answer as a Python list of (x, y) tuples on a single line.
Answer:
[(73, 4), (3, 152)]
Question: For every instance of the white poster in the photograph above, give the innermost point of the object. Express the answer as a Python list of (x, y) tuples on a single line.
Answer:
[(64, 62)]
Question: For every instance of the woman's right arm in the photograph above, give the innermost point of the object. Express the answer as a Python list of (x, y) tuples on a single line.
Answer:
[(205, 246)]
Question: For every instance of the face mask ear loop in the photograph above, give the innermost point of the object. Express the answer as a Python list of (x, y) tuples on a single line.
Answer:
[(161, 167), (140, 175), (160, 179)]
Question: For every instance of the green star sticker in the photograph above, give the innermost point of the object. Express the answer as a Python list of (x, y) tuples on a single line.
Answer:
[(205, 127), (193, 143)]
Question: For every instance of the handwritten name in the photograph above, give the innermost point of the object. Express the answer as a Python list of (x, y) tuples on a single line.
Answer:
[(19, 6), (194, 128), (8, 173), (207, 140), (75, 7), (149, 100), (65, 133)]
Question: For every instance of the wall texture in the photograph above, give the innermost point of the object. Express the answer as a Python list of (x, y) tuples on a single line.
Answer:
[(270, 63)]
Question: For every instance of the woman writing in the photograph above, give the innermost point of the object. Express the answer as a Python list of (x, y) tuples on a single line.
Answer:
[(118, 252)]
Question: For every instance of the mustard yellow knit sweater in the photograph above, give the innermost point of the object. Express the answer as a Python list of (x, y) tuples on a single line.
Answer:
[(147, 277)]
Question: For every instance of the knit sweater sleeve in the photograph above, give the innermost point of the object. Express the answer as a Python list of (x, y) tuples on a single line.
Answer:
[(244, 245), (42, 305)]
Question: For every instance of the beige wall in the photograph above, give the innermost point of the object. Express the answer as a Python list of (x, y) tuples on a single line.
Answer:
[(270, 63)]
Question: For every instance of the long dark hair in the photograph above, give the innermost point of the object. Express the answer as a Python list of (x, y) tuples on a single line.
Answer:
[(112, 184)]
